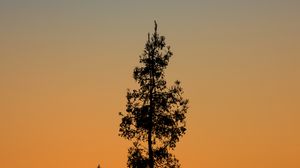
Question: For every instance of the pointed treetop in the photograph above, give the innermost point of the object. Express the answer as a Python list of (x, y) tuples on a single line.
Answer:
[(155, 25)]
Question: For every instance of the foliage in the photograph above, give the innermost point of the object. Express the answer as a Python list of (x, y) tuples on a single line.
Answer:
[(155, 114)]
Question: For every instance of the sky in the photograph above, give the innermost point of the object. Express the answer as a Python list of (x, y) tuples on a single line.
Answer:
[(65, 66)]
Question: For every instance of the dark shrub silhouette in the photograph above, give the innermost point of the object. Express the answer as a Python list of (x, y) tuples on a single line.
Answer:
[(155, 114)]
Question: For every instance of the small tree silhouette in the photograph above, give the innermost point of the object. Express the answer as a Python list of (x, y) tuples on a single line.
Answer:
[(155, 114)]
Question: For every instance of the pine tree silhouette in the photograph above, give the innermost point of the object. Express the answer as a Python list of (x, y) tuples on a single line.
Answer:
[(155, 114)]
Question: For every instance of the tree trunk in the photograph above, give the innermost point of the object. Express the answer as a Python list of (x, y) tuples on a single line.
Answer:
[(150, 150), (151, 111), (152, 85)]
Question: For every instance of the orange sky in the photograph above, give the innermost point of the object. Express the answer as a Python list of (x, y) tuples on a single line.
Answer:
[(65, 67)]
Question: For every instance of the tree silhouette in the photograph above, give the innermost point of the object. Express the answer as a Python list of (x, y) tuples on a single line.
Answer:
[(155, 114)]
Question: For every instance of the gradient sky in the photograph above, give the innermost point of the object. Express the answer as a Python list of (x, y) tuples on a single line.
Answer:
[(65, 66)]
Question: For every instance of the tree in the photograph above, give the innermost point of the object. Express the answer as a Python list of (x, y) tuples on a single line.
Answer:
[(155, 114)]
